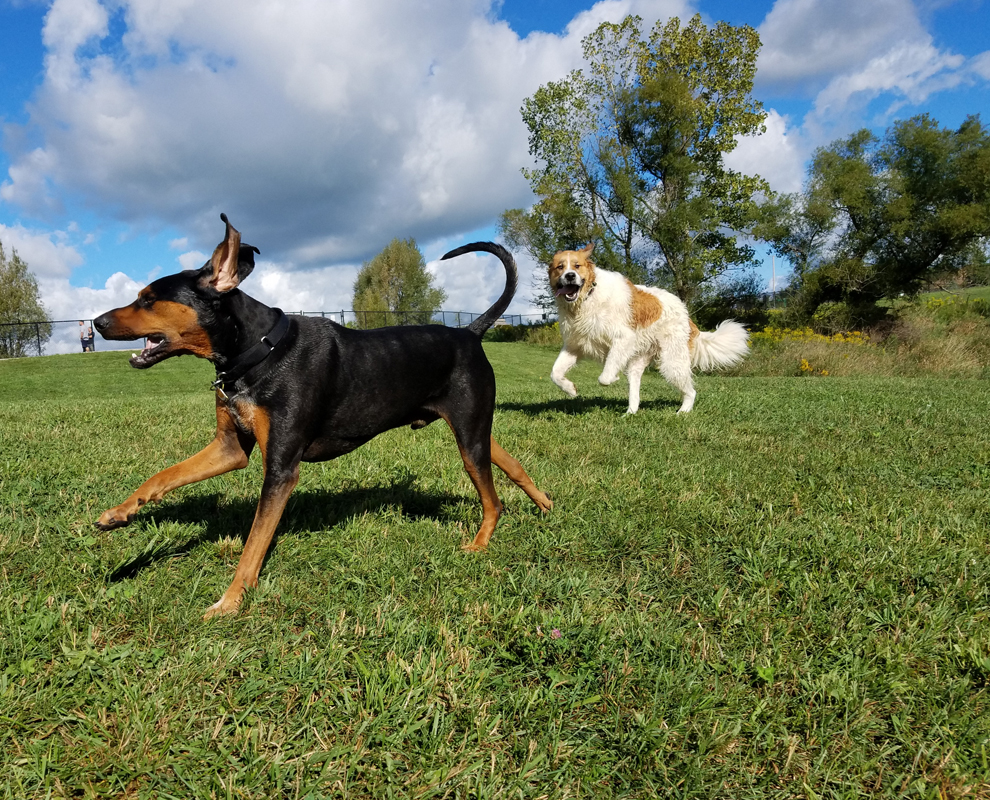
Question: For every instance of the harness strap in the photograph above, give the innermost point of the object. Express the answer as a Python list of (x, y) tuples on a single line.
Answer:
[(254, 355)]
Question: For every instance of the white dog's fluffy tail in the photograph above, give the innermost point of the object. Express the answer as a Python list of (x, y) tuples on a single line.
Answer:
[(728, 344)]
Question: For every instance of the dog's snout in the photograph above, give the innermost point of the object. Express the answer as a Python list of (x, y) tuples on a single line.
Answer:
[(102, 322), (570, 276)]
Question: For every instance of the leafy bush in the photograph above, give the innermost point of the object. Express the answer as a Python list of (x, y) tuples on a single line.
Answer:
[(548, 335), (506, 333), (542, 334)]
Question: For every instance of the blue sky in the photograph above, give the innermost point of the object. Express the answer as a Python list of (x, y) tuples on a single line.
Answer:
[(324, 130)]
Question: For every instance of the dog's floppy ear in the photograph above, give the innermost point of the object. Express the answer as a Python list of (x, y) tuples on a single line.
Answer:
[(588, 248), (232, 262)]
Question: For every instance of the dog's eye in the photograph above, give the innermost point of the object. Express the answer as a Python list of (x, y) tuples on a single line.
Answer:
[(144, 302)]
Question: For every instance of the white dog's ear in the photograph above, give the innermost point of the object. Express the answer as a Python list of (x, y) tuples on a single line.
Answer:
[(225, 258), (588, 248)]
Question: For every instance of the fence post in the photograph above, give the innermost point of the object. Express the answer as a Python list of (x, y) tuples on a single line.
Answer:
[(37, 335)]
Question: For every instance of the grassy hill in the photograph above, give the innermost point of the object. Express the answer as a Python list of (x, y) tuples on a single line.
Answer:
[(784, 593), (970, 293)]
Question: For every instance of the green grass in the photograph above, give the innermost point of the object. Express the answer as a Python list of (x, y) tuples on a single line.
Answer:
[(970, 293), (782, 594)]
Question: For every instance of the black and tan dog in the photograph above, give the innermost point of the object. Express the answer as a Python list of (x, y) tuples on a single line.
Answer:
[(307, 389)]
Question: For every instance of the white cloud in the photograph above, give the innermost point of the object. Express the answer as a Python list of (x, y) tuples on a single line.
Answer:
[(323, 129), (849, 55), (322, 289), (807, 42), (48, 255), (615, 11), (64, 301), (911, 71), (906, 75), (778, 155), (69, 25), (192, 260), (29, 177), (980, 65)]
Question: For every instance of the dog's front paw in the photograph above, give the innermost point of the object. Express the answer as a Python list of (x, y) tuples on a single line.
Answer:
[(608, 378), (116, 517), (568, 388), (224, 607)]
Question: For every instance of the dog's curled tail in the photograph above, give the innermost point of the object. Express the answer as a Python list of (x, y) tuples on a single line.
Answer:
[(728, 344), (486, 320)]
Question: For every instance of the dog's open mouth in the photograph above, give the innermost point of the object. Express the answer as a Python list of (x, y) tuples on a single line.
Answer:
[(569, 291), (155, 347)]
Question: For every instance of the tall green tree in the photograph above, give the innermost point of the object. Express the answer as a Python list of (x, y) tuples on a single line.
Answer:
[(798, 228), (394, 288), (632, 154), (20, 302), (884, 216)]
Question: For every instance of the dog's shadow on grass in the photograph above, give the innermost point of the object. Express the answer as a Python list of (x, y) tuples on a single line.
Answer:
[(305, 510), (577, 406)]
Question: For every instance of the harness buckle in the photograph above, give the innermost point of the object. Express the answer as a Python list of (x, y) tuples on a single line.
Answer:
[(218, 386)]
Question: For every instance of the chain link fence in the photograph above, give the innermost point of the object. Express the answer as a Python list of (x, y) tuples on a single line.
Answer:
[(452, 319), (51, 337), (18, 339)]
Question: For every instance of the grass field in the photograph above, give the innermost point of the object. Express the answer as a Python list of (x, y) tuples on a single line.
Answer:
[(971, 293), (782, 594)]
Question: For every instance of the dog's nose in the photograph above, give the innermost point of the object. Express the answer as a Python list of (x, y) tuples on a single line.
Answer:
[(102, 322), (571, 276)]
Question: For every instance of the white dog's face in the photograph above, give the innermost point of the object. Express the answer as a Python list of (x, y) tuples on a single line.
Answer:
[(572, 274)]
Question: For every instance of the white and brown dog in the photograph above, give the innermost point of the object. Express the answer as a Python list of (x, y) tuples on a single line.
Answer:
[(603, 316)]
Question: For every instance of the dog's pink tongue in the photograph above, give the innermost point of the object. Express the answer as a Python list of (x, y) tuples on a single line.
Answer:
[(560, 292)]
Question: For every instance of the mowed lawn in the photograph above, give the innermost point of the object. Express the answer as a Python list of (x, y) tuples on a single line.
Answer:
[(782, 594)]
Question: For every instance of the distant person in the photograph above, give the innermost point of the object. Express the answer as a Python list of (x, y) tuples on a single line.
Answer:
[(86, 337)]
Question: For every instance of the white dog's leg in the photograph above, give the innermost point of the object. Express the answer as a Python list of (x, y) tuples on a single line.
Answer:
[(617, 359), (687, 401), (635, 373), (564, 362), (675, 366)]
